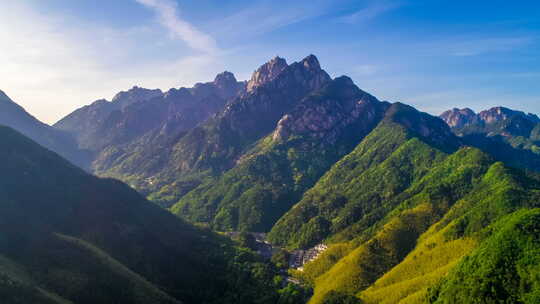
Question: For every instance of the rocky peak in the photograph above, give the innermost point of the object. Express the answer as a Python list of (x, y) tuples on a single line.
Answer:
[(497, 114), (135, 94), (311, 62), (225, 79), (459, 118), (267, 72), (307, 72)]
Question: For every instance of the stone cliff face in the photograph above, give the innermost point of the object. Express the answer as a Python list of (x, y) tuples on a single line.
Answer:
[(327, 115), (266, 73), (458, 118), (218, 142), (498, 114)]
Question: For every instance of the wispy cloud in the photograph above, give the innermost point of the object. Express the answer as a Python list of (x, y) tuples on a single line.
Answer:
[(169, 16), (371, 11), (267, 16), (52, 64)]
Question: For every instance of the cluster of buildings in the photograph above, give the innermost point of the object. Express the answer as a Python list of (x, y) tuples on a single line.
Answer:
[(300, 257), (297, 259)]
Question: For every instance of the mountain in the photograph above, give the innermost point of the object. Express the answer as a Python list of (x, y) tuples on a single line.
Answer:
[(70, 237), (495, 121), (134, 112), (216, 145), (14, 116), (364, 185), (133, 133), (509, 135), (404, 209), (273, 175), (87, 122), (410, 206), (266, 73)]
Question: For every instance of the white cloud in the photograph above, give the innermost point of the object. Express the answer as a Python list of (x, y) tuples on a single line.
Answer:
[(168, 15), (52, 65)]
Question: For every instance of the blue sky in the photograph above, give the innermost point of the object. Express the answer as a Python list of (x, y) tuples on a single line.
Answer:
[(58, 55)]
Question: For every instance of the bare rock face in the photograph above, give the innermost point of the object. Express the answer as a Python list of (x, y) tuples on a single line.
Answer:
[(327, 114), (495, 121), (458, 118), (500, 113), (266, 73)]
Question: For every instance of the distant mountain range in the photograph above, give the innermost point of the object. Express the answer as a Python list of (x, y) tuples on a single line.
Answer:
[(412, 206)]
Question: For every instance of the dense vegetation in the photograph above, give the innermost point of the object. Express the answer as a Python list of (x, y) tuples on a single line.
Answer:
[(505, 269), (366, 184), (427, 236), (275, 173), (68, 235)]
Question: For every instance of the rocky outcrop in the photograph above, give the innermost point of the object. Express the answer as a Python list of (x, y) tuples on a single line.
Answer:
[(327, 114), (266, 73), (227, 85), (459, 118), (218, 143), (498, 114), (495, 121)]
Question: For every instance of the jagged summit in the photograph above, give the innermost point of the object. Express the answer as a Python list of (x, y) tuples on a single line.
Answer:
[(311, 62), (225, 76), (460, 118), (501, 113), (267, 72)]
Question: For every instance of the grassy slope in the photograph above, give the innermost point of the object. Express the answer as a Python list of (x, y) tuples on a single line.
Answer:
[(505, 269), (427, 201)]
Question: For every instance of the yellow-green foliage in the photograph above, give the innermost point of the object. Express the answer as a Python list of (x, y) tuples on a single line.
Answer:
[(364, 265), (504, 269), (431, 260), (324, 262)]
